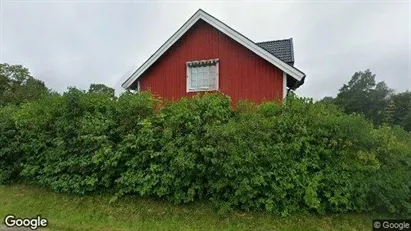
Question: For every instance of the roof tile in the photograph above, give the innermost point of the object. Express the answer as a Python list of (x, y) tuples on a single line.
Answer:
[(282, 49)]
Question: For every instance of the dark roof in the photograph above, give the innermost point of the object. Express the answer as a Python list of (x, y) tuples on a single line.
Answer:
[(282, 49)]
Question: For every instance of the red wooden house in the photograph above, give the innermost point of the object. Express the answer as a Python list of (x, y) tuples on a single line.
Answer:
[(207, 55)]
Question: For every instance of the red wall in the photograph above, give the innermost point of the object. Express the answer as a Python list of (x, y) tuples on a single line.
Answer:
[(242, 74)]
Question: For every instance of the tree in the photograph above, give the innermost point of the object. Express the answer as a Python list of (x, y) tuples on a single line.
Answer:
[(389, 112), (363, 95), (101, 89), (327, 99), (18, 86), (402, 112)]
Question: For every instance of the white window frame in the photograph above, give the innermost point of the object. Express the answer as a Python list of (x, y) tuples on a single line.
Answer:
[(188, 76)]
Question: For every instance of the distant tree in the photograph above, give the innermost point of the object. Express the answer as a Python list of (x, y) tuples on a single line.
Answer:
[(389, 112), (363, 95), (402, 112), (101, 89), (327, 99), (406, 123), (18, 86)]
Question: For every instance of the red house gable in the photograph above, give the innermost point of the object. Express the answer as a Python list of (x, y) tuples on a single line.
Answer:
[(206, 55)]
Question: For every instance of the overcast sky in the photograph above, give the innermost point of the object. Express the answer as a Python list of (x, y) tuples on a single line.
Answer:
[(76, 43)]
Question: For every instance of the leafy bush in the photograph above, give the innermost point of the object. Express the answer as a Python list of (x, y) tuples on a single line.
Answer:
[(10, 151), (281, 158), (70, 140), (287, 158), (390, 187), (167, 155)]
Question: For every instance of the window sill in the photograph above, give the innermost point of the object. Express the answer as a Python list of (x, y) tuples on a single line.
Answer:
[(200, 90)]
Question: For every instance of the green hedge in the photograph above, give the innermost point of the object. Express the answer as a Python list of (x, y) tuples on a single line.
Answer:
[(301, 156)]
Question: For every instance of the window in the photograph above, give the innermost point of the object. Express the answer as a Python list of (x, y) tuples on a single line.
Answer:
[(202, 75)]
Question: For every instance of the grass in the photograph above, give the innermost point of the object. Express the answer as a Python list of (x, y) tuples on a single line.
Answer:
[(67, 212)]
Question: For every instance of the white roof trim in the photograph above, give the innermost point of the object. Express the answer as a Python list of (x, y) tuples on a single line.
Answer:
[(200, 14), (284, 85)]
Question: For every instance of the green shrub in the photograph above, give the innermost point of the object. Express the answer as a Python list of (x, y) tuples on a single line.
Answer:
[(390, 187), (10, 150), (168, 153), (281, 158), (71, 140), (287, 158)]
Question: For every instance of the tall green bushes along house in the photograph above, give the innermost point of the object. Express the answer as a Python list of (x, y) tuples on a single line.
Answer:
[(300, 156)]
